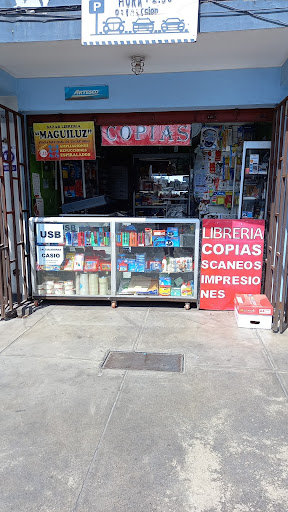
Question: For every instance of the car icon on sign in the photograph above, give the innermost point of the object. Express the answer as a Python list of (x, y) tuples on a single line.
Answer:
[(143, 25), (113, 25), (173, 25)]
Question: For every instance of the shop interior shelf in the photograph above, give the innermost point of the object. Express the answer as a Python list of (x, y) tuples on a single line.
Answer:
[(157, 272), (94, 247), (75, 271)]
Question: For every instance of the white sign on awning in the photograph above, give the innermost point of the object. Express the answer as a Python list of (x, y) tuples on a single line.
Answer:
[(121, 22)]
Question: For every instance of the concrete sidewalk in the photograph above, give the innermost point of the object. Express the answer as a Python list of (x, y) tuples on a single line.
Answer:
[(76, 438)]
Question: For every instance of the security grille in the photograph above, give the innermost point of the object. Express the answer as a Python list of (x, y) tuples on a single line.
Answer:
[(14, 210), (277, 247)]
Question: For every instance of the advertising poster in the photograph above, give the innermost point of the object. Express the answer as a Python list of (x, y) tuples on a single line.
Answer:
[(49, 256), (139, 21), (231, 262), (49, 234), (5, 156), (64, 141), (147, 135)]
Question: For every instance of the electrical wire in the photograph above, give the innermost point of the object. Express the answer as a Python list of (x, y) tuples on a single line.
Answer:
[(75, 18), (42, 14), (245, 12)]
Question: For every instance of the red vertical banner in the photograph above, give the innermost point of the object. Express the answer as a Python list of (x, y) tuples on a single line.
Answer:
[(231, 261)]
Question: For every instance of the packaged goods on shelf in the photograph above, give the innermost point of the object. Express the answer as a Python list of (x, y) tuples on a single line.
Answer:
[(186, 289), (69, 261), (164, 280), (41, 289), (105, 265), (151, 238), (69, 287), (165, 290), (84, 284), (172, 232), (141, 239), (140, 263), (87, 238), (138, 286), (175, 292), (173, 242), (77, 284), (148, 237), (159, 241), (92, 264), (159, 232), (79, 262), (59, 288), (182, 264), (93, 281), (154, 265), (103, 285)]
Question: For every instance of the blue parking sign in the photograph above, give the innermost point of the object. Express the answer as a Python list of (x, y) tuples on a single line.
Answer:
[(96, 6)]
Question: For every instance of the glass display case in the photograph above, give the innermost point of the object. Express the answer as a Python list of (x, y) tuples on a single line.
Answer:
[(157, 259), (71, 257), (116, 259), (254, 176)]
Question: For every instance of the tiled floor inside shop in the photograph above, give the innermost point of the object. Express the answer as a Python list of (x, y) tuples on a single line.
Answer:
[(78, 438)]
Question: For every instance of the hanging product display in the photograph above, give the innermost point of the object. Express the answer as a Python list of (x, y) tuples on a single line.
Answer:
[(254, 176), (217, 171)]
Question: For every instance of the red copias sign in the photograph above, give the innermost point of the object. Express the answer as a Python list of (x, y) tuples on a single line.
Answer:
[(231, 262), (147, 135)]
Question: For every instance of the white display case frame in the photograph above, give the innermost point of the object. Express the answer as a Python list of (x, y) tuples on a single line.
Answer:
[(251, 145), (113, 221)]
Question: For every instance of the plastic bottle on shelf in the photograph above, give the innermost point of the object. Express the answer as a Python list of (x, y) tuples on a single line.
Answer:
[(183, 290), (189, 290), (164, 264)]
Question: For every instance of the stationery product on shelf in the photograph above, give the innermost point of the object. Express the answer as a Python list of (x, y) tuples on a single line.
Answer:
[(140, 263), (133, 239), (79, 262), (88, 238), (59, 288), (92, 264), (103, 285), (84, 287), (69, 261), (125, 239), (105, 265), (77, 284), (186, 289), (93, 284), (69, 287), (165, 290), (141, 239), (138, 286), (148, 237)]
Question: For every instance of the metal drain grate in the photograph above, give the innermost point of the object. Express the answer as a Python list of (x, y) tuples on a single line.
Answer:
[(144, 361)]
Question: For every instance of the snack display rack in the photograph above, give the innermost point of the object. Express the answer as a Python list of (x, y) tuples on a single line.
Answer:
[(101, 258)]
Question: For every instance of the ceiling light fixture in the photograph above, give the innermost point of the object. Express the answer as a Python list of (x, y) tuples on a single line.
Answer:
[(137, 64)]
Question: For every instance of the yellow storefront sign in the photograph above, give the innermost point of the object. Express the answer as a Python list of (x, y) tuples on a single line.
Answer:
[(64, 141)]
